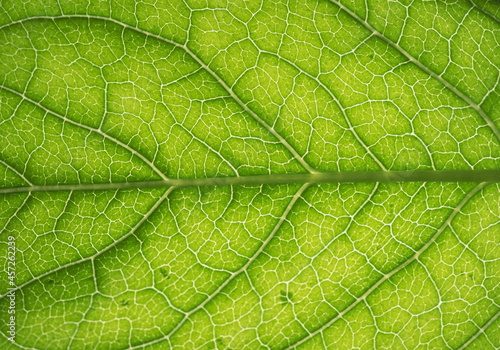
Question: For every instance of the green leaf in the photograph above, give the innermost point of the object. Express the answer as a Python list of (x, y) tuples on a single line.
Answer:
[(303, 174)]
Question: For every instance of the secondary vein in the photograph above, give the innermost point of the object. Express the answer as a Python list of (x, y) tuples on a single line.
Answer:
[(424, 68)]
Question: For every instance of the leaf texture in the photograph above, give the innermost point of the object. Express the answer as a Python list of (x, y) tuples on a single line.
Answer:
[(303, 174)]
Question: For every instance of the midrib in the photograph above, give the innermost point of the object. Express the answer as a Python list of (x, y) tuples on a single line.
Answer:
[(492, 175)]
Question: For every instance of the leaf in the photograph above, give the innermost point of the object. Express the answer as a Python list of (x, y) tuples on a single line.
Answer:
[(250, 175)]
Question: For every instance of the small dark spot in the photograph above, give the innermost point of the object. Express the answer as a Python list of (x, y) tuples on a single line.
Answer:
[(51, 281), (285, 297), (124, 302), (164, 273), (220, 341)]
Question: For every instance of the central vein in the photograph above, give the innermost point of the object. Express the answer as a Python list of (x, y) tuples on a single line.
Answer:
[(321, 177)]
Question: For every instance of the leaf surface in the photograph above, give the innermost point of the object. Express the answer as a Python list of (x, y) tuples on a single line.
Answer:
[(303, 174)]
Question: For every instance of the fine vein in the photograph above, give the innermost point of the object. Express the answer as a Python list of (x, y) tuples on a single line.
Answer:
[(411, 259), (424, 68), (202, 64)]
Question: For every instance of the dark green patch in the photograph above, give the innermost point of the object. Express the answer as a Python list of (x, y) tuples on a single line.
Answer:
[(285, 297), (164, 273)]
